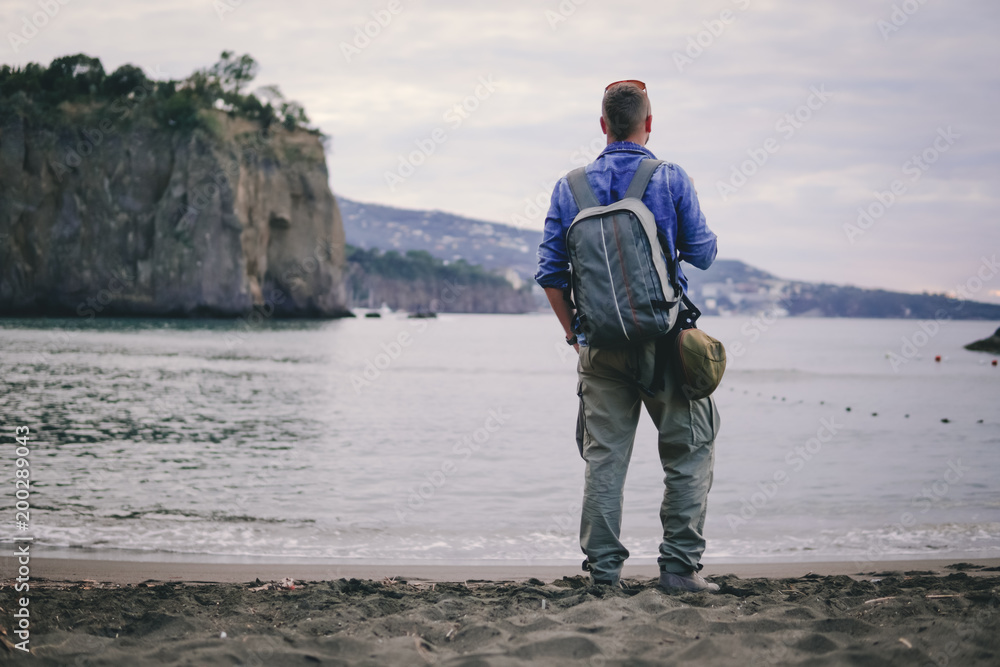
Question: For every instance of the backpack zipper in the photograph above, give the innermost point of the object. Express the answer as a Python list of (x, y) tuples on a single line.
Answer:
[(604, 241), (628, 288)]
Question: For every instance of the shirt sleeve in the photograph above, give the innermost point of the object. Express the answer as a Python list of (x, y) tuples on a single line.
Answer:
[(696, 243), (553, 261)]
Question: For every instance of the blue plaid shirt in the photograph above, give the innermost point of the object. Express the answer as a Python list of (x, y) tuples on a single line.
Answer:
[(670, 197)]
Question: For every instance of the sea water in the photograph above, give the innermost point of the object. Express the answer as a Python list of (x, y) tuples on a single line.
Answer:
[(453, 439)]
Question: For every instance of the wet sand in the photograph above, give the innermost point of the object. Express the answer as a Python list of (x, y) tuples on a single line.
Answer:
[(90, 612)]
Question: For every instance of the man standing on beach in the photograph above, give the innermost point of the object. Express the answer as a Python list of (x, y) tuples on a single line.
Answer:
[(609, 396)]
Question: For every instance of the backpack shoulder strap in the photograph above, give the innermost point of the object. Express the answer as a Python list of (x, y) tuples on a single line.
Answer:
[(580, 186), (641, 178)]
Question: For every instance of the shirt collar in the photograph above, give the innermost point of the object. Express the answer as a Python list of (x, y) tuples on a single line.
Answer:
[(626, 146)]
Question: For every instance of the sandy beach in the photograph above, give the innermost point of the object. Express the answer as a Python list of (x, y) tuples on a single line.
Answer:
[(100, 612)]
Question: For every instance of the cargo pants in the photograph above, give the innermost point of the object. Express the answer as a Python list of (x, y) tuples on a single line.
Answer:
[(609, 410)]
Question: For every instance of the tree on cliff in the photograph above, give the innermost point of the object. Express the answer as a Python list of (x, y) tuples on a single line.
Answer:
[(121, 194), (37, 91), (233, 73)]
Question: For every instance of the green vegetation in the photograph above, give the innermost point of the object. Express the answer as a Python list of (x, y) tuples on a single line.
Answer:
[(991, 344), (419, 282), (80, 83), (421, 265)]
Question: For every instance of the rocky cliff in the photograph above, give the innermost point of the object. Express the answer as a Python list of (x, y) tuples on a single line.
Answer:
[(106, 213)]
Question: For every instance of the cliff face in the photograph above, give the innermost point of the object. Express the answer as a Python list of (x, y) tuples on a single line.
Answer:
[(101, 217)]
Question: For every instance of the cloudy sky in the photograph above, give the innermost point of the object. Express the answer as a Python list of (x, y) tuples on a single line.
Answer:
[(790, 116)]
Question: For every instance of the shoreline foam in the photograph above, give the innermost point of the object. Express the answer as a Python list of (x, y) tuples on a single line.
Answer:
[(131, 572)]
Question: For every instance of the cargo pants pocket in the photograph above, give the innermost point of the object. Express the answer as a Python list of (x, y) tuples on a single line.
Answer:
[(704, 420)]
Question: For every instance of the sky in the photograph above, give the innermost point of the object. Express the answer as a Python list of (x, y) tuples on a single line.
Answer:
[(849, 141)]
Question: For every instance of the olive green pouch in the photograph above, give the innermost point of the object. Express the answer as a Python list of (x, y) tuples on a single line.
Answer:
[(700, 360)]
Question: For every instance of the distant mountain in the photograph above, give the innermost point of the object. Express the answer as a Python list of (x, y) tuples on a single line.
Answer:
[(729, 287), (449, 237)]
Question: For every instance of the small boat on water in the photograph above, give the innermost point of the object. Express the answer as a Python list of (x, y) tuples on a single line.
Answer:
[(383, 311)]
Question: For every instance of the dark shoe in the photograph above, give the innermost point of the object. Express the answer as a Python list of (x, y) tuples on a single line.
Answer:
[(594, 581), (685, 583)]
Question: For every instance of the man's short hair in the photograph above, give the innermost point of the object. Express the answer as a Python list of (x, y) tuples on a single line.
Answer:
[(625, 110)]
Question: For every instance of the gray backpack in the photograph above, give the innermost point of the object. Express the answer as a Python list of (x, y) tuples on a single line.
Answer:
[(624, 286)]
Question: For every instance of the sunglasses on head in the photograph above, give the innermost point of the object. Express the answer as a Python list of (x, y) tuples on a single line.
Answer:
[(634, 82)]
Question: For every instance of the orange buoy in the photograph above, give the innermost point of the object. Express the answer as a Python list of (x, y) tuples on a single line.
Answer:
[(937, 358), (994, 362)]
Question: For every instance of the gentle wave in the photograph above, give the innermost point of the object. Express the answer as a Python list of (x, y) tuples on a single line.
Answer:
[(335, 441)]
